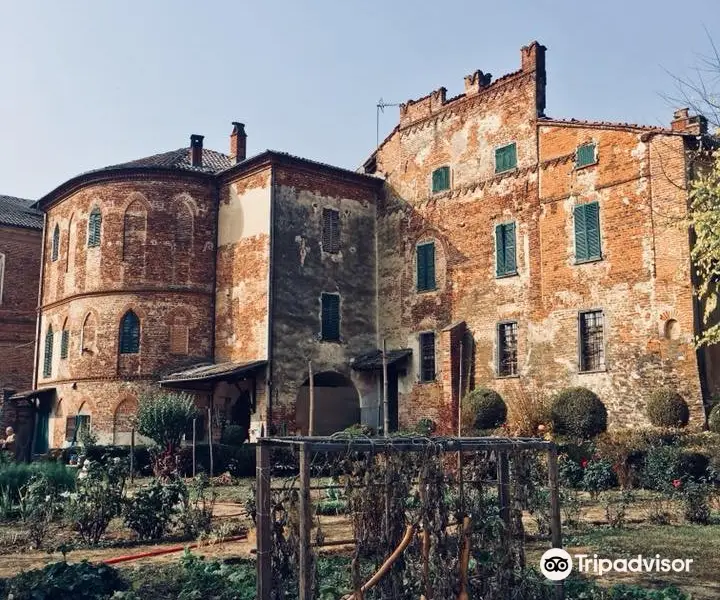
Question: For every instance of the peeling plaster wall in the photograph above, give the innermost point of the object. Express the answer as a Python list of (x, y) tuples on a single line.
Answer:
[(303, 270)]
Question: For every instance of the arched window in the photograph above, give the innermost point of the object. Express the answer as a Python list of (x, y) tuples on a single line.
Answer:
[(93, 228), (64, 341), (130, 333), (134, 231), (55, 243), (47, 363), (87, 335), (183, 227)]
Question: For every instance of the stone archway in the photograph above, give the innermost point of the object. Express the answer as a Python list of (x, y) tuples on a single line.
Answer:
[(337, 404)]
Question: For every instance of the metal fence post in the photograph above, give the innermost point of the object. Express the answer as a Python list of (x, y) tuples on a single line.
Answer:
[(263, 520)]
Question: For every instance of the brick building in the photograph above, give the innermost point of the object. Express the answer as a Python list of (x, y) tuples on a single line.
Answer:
[(551, 249), (20, 244)]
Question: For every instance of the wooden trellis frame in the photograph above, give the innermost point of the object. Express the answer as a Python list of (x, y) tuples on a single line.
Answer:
[(307, 445)]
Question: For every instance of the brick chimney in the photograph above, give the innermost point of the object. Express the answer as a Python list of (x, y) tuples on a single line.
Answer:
[(683, 122), (238, 143), (532, 58), (196, 148)]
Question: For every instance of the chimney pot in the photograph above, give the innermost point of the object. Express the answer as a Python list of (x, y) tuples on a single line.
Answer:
[(238, 143), (196, 150)]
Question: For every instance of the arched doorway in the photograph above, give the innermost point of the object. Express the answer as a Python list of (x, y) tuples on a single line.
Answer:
[(337, 404)]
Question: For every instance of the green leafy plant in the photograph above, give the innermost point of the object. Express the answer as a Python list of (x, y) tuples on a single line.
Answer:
[(666, 408), (425, 426), (570, 472), (579, 413), (97, 499), (164, 417), (39, 505), (86, 436), (616, 507), (598, 476), (695, 501), (234, 435), (482, 409), (196, 507), (151, 510)]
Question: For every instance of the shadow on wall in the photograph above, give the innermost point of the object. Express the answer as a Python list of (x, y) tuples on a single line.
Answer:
[(337, 404)]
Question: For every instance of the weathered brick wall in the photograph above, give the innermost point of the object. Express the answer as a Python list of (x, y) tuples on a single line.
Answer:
[(243, 258), (303, 270), (18, 305), (642, 283), (163, 282)]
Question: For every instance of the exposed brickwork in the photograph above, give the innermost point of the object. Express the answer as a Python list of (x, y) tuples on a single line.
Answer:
[(20, 248), (641, 283)]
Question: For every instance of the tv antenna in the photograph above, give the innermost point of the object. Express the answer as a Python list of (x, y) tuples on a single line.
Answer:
[(380, 108)]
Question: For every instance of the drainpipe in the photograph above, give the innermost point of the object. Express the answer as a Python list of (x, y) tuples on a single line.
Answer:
[(270, 305)]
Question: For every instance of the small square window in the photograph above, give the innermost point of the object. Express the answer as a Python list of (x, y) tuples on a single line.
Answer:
[(592, 343), (427, 356), (505, 158), (585, 155), (441, 179)]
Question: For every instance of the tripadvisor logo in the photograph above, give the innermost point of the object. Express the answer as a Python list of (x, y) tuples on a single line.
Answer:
[(556, 564)]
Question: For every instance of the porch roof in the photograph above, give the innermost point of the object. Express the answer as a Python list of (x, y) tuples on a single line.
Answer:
[(372, 361), (27, 394), (211, 373)]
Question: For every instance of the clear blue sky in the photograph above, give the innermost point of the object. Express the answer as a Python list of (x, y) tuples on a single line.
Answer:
[(84, 84)]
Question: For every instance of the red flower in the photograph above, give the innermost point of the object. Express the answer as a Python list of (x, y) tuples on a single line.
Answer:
[(584, 463), (676, 483)]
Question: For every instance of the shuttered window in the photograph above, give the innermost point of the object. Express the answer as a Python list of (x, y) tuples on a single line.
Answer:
[(330, 322), (587, 232), (94, 225), (585, 155), (47, 363), (331, 230), (130, 334), (64, 343), (426, 266), (505, 261), (507, 349), (55, 243), (592, 344), (441, 179), (506, 158), (427, 356)]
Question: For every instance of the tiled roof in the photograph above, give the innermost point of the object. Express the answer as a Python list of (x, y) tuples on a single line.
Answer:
[(372, 361), (213, 372), (212, 162), (551, 121), (17, 212)]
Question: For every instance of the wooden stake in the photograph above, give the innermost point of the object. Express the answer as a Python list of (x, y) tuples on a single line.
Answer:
[(459, 417), (555, 523), (132, 456), (194, 443), (263, 521), (210, 439), (386, 411), (305, 578), (311, 416)]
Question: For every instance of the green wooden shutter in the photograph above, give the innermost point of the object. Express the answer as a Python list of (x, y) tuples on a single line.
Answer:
[(330, 317), (592, 227), (505, 158), (94, 223), (499, 251), (64, 342), (509, 235), (581, 246), (47, 364), (441, 179), (585, 155), (426, 267)]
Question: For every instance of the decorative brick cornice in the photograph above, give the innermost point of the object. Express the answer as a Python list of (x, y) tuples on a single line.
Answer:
[(123, 378)]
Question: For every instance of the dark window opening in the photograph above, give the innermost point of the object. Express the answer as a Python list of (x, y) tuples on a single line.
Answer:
[(64, 343), (47, 364), (331, 230), (507, 349), (427, 356), (94, 224), (73, 426), (330, 322), (55, 243), (130, 334), (592, 347)]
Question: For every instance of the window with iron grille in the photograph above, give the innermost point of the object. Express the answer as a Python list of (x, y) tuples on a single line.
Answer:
[(94, 224), (331, 230), (441, 179), (592, 343), (425, 266), (47, 363), (585, 155), (64, 343), (74, 424), (506, 158), (330, 321), (55, 243), (507, 360), (427, 356), (130, 333)]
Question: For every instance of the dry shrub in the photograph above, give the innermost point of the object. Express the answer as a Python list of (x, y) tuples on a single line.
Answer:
[(528, 410)]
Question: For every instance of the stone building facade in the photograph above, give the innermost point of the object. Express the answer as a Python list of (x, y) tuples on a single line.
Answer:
[(483, 242)]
